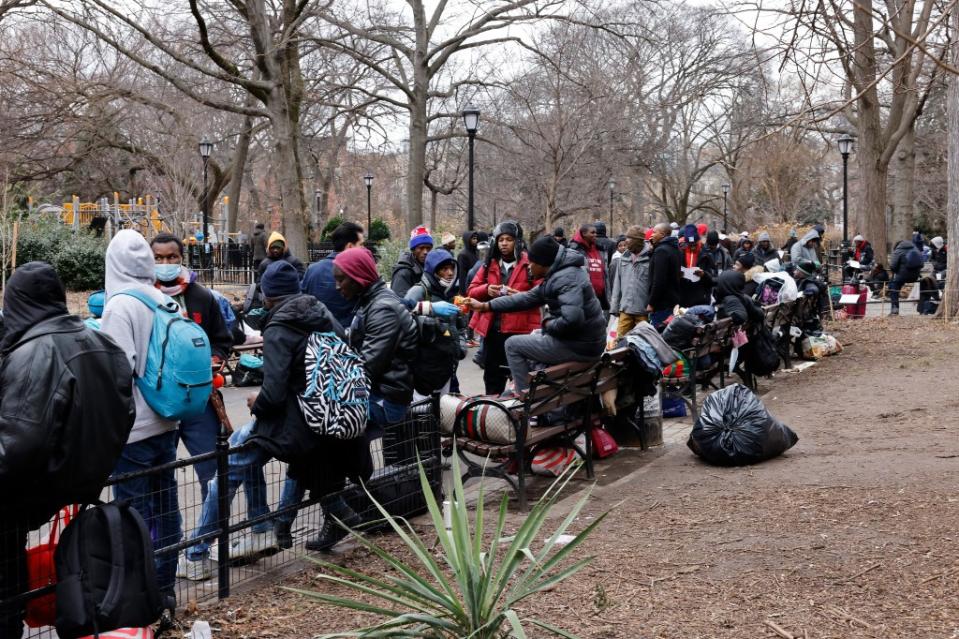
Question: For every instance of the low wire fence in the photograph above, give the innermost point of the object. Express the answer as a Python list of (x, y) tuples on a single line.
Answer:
[(240, 538)]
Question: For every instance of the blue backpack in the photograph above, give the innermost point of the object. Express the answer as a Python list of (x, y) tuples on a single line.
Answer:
[(178, 378), (913, 259)]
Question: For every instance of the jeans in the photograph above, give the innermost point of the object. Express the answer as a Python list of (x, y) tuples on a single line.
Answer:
[(13, 575), (293, 493), (198, 434), (894, 287), (154, 497), (383, 414), (245, 467), (522, 350)]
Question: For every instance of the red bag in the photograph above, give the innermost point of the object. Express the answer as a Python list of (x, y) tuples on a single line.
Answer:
[(603, 443), (42, 611)]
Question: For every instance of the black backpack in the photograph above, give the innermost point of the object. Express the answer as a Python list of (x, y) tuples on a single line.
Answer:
[(106, 576), (437, 354), (761, 355)]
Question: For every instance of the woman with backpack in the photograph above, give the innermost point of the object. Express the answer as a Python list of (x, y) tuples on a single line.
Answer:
[(506, 271), (439, 284)]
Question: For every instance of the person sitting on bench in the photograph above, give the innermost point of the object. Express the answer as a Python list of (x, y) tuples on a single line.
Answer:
[(573, 329)]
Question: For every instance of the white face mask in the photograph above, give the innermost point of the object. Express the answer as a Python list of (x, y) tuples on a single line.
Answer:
[(446, 283)]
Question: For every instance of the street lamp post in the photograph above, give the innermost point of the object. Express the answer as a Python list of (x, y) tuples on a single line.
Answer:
[(471, 120), (844, 143), (725, 195), (206, 149), (612, 195), (368, 180)]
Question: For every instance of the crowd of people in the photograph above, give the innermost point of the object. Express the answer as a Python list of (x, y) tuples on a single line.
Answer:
[(522, 304)]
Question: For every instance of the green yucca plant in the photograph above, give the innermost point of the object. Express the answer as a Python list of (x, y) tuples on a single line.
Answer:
[(465, 592)]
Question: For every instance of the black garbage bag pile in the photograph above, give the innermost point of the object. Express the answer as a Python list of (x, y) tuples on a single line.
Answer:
[(735, 429)]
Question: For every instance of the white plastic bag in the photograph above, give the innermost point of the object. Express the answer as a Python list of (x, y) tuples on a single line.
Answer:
[(787, 292)]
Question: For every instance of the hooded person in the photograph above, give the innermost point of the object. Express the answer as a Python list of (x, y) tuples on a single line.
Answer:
[(693, 256), (605, 244), (506, 271), (939, 255), (765, 251), (664, 274), (67, 399), (745, 246), (586, 242), (277, 250), (409, 268), (467, 257), (559, 234), (862, 251), (130, 266), (574, 328), (805, 249), (720, 256), (905, 265), (733, 302)]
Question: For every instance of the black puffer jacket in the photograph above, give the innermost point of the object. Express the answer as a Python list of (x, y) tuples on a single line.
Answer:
[(732, 302), (66, 402), (573, 313), (384, 334), (406, 274), (280, 428), (898, 264)]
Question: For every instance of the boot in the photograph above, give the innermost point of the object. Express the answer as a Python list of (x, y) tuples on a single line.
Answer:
[(332, 532), (284, 534)]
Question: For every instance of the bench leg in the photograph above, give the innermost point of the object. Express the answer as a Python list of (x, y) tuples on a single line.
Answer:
[(521, 476)]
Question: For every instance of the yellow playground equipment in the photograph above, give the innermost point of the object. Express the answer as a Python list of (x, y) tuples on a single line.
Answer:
[(138, 214)]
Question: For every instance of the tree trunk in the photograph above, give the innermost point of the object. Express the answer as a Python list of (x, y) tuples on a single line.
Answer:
[(235, 188), (952, 210), (903, 209), (416, 171), (873, 177), (294, 214), (433, 203)]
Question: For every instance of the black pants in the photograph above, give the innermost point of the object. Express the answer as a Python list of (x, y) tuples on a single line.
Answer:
[(13, 577), (495, 371)]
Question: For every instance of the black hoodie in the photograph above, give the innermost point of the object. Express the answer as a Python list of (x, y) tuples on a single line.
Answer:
[(466, 258), (321, 462), (732, 301)]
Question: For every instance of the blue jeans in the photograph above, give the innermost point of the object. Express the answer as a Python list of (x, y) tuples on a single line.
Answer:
[(198, 434), (383, 412), (245, 467), (154, 497), (293, 493), (894, 287)]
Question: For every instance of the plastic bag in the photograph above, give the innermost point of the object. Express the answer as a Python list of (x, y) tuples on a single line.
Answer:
[(787, 292), (735, 429), (819, 346)]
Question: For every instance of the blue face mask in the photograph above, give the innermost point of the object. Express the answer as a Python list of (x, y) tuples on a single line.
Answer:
[(167, 272)]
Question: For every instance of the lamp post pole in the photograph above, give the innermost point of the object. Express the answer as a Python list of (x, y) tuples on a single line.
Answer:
[(206, 149), (845, 143), (368, 180), (471, 120), (725, 194)]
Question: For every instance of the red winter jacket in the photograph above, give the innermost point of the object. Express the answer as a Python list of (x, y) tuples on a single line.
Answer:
[(516, 323), (595, 265)]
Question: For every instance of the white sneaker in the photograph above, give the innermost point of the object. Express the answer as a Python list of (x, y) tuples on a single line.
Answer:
[(253, 545), (199, 570)]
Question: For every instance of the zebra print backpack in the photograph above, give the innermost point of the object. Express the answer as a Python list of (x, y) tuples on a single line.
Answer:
[(336, 402)]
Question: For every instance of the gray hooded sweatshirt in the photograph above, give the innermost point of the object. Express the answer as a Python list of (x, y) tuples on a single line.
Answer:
[(129, 322), (799, 250)]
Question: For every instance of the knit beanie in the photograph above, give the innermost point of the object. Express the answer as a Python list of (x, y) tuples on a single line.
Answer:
[(420, 236), (748, 260), (280, 279), (712, 238), (358, 265), (543, 251), (808, 267)]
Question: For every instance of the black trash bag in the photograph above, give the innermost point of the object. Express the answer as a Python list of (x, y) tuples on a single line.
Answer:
[(680, 332), (760, 353), (735, 429)]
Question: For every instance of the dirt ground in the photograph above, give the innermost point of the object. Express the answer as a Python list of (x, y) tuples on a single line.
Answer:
[(852, 533)]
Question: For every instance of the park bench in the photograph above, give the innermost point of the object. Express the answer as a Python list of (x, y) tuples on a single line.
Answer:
[(571, 389)]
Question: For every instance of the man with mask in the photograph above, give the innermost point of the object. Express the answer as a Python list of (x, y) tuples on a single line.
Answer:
[(130, 265), (277, 251), (67, 409), (574, 328), (197, 303)]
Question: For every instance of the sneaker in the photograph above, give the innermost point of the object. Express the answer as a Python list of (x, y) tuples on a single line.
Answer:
[(472, 343), (894, 311), (332, 532), (284, 534), (251, 547), (198, 570)]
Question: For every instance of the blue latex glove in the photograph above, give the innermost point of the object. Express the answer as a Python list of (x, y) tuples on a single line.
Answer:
[(445, 309)]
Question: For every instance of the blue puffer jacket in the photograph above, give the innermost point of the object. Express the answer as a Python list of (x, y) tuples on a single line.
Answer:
[(900, 262)]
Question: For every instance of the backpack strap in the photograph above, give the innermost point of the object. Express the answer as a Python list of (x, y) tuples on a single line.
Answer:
[(169, 305), (111, 598)]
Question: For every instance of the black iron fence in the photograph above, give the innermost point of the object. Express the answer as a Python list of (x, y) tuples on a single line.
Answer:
[(241, 543)]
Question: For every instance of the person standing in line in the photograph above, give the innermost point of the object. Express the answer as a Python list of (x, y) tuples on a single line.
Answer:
[(258, 244), (664, 274), (409, 268), (631, 282)]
